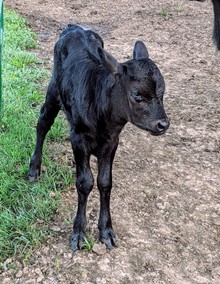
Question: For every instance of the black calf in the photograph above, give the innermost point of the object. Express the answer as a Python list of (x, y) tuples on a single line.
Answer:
[(99, 96)]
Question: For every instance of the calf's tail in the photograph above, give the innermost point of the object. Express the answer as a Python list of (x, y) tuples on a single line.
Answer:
[(216, 30)]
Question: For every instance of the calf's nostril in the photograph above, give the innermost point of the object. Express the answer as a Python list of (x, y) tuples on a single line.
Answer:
[(162, 125)]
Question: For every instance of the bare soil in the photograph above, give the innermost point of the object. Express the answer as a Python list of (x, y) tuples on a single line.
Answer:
[(165, 198)]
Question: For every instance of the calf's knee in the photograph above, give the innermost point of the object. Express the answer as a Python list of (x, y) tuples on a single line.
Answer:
[(104, 183), (84, 183)]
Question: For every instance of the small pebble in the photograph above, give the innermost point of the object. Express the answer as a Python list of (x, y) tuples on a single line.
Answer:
[(55, 228), (38, 271), (6, 281), (52, 194), (19, 274), (40, 279), (99, 249)]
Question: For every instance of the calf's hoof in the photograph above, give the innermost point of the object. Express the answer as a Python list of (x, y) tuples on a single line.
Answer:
[(33, 174), (34, 169), (107, 237), (77, 241)]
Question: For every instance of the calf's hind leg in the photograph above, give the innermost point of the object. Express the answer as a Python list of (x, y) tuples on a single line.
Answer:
[(48, 113), (84, 185)]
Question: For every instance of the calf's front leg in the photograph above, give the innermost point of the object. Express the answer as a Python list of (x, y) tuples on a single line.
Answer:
[(104, 182)]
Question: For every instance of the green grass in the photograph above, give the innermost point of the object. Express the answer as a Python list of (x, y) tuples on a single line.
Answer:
[(23, 204), (165, 12), (88, 243), (172, 11)]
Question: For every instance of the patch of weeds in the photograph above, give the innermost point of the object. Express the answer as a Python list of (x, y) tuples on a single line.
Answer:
[(179, 9), (68, 221), (27, 258), (57, 264), (88, 243), (165, 12), (170, 12)]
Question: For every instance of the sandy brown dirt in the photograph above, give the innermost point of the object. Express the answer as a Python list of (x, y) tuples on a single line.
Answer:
[(165, 199)]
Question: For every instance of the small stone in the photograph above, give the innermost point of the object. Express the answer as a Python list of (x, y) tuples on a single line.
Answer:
[(68, 255), (9, 272), (161, 206), (52, 194), (99, 249), (55, 228), (19, 274), (43, 169), (6, 281), (40, 279), (8, 260), (25, 270), (38, 271)]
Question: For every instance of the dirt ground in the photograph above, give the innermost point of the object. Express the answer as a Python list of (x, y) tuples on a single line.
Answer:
[(165, 198)]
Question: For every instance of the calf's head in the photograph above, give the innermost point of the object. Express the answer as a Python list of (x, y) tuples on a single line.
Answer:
[(145, 90)]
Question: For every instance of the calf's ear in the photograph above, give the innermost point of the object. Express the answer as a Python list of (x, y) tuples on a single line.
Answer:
[(140, 50)]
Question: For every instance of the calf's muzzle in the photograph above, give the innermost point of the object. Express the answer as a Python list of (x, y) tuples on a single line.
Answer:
[(160, 127)]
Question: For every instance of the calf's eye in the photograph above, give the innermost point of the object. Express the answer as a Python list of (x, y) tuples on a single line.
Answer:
[(136, 96)]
